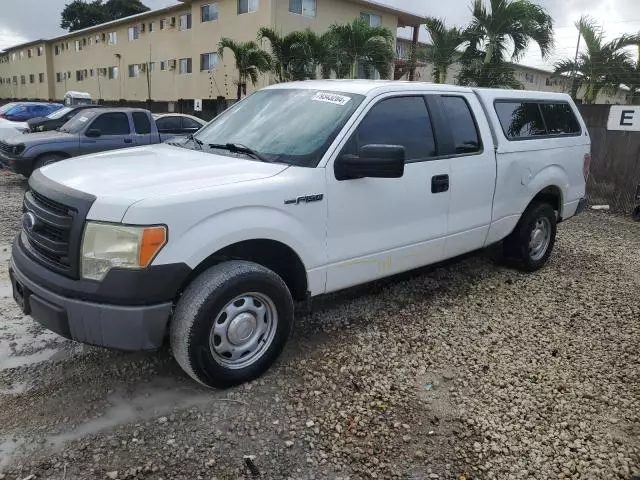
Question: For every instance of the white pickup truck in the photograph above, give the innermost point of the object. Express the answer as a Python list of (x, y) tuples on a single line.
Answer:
[(298, 190)]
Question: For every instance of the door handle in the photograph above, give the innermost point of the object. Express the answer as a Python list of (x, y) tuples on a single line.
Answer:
[(128, 140), (439, 183)]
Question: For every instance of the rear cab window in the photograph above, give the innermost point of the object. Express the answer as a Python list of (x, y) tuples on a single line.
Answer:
[(528, 119), (462, 125), (141, 123)]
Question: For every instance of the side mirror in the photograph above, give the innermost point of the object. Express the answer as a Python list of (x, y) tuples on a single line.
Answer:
[(374, 161), (93, 132)]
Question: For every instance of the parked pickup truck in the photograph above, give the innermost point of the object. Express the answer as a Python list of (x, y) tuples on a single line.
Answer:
[(91, 131), (298, 190)]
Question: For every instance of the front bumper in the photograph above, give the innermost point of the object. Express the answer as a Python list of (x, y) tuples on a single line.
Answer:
[(112, 316), (23, 166)]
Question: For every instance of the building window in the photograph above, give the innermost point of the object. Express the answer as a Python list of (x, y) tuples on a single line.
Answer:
[(134, 33), (152, 67), (113, 73), (247, 6), (79, 75), (58, 77), (84, 42), (152, 26), (306, 8), (23, 80), (40, 51), (21, 55), (209, 12), (29, 53), (185, 22), (113, 38), (185, 66), (163, 24), (78, 45), (163, 65), (208, 61), (371, 19), (134, 70), (41, 77), (32, 78), (13, 57), (15, 79), (97, 39)]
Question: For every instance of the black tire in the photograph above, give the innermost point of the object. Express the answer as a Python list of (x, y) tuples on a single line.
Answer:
[(206, 301), (517, 244), (47, 159)]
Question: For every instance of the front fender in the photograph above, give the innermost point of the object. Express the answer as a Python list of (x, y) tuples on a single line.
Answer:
[(222, 229), (35, 151)]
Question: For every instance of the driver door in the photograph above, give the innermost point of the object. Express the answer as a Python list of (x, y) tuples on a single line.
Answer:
[(381, 226), (115, 132)]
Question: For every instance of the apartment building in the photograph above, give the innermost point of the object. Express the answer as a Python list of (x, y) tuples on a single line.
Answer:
[(25, 71), (531, 78), (169, 54)]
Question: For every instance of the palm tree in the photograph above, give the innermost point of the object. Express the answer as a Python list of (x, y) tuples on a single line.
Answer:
[(288, 53), (250, 61), (358, 43), (503, 33), (443, 50), (603, 66)]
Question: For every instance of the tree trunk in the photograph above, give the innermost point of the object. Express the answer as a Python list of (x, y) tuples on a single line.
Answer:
[(489, 55), (239, 88)]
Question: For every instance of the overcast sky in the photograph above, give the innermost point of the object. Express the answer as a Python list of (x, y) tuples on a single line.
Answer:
[(25, 20)]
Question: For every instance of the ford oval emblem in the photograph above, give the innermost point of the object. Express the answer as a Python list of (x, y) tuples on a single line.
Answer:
[(29, 221)]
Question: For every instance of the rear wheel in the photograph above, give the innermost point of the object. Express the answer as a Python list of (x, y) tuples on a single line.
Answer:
[(534, 237), (231, 323)]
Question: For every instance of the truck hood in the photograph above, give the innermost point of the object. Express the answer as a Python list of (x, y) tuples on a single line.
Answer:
[(42, 137), (122, 177)]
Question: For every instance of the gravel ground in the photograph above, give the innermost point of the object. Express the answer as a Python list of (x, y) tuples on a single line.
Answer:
[(471, 370)]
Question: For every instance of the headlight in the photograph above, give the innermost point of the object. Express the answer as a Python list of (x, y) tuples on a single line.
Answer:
[(108, 245)]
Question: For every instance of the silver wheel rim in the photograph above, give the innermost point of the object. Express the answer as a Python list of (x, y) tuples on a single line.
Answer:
[(243, 330), (540, 238)]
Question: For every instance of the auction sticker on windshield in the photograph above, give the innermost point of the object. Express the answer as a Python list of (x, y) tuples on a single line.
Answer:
[(83, 119), (331, 98)]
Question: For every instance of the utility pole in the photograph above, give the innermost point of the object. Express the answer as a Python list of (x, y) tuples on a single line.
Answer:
[(574, 93), (149, 78)]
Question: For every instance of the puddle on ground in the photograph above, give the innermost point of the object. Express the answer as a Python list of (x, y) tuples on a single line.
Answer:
[(9, 446), (5, 291), (17, 388), (23, 342), (162, 397)]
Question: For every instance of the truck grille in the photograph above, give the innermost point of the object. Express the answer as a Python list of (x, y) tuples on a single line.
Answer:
[(5, 147), (48, 240)]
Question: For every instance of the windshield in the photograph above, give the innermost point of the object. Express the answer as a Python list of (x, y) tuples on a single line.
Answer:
[(59, 113), (7, 107), (293, 126), (78, 122)]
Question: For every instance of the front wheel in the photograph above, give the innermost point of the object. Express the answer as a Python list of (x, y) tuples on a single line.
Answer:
[(47, 159), (532, 241), (231, 323)]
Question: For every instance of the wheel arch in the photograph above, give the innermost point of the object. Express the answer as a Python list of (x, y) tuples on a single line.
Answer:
[(551, 194), (272, 254)]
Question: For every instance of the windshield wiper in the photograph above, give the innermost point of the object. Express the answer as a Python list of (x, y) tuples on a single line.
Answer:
[(199, 143), (239, 148)]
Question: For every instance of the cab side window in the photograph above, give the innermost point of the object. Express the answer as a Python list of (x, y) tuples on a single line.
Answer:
[(403, 121)]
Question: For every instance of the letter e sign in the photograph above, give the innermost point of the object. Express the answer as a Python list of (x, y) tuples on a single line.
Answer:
[(624, 117)]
